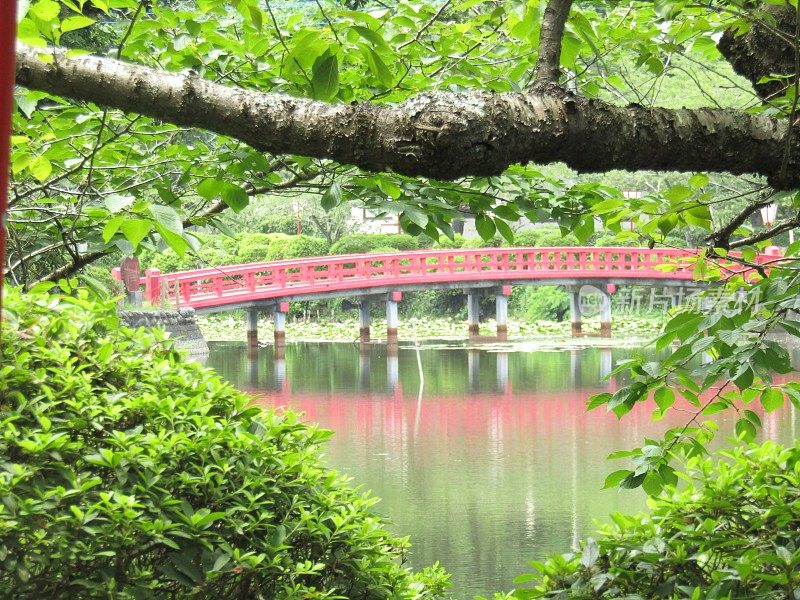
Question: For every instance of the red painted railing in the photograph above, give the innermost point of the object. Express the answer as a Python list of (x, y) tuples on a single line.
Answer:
[(217, 286)]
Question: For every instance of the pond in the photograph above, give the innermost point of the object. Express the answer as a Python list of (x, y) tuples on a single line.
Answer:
[(495, 464)]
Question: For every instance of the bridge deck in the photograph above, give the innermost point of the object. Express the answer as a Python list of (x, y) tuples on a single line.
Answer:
[(330, 276)]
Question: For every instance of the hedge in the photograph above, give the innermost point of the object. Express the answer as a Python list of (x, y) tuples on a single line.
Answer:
[(131, 472)]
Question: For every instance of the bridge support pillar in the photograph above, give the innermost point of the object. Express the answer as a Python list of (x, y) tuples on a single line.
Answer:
[(252, 328), (392, 321), (606, 362), (473, 369), (575, 310), (677, 297), (473, 314), (363, 321), (502, 371), (605, 314), (501, 312), (279, 321), (392, 372)]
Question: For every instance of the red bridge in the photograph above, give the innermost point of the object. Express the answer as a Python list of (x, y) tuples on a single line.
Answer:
[(270, 286)]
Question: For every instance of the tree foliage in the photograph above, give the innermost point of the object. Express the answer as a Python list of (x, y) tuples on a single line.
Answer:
[(730, 531), (131, 472)]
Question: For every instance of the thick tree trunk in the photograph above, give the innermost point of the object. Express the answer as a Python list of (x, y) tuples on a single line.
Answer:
[(443, 135)]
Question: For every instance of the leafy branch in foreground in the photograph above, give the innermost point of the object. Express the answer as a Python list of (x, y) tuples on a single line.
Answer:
[(730, 532), (721, 356)]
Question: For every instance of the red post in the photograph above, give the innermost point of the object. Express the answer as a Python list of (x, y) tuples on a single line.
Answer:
[(8, 33), (152, 285)]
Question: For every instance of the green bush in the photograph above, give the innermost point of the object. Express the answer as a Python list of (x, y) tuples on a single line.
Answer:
[(445, 242), (254, 247), (544, 236), (539, 303), (733, 532), (297, 246), (252, 253), (130, 472), (494, 242), (362, 243)]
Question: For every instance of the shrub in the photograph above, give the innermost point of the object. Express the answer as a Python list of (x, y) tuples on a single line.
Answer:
[(252, 253), (297, 246), (254, 247), (363, 243), (445, 242), (546, 235), (540, 303), (732, 532), (130, 472), (494, 242)]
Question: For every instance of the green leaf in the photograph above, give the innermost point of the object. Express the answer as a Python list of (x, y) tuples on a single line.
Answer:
[(678, 193), (135, 230), (698, 180), (504, 230), (75, 22), (46, 10), (210, 188), (598, 400), (117, 202), (371, 36), (379, 68), (235, 197), (745, 430), (416, 215), (615, 478), (772, 399), (664, 398), (485, 226), (325, 77), (167, 217), (332, 196), (40, 168), (111, 227)]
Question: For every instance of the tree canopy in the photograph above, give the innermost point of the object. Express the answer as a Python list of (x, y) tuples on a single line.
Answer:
[(138, 121)]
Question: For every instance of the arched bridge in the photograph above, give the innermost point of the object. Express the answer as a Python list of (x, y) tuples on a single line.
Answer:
[(270, 286)]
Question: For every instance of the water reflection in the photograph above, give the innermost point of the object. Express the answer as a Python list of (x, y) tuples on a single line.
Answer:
[(496, 463)]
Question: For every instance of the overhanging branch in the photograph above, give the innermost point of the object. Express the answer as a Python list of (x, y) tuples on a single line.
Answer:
[(548, 65), (441, 135)]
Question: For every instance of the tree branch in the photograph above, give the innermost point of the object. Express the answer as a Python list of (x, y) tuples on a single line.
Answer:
[(548, 66), (721, 237), (437, 135), (765, 235), (763, 51)]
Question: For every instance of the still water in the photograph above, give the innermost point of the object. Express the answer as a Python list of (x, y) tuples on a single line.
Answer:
[(494, 464)]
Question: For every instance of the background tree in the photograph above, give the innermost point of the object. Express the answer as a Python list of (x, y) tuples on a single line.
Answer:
[(426, 111)]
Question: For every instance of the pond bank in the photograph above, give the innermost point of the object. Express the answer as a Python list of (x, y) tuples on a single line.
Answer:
[(231, 327)]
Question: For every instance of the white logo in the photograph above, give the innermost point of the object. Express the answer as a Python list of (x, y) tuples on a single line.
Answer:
[(592, 301)]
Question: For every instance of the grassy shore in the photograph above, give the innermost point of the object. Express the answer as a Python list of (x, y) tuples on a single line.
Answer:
[(231, 327)]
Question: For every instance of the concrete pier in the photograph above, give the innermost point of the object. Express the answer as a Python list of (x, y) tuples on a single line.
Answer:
[(473, 314), (363, 321), (392, 372), (605, 313), (279, 322), (392, 321), (252, 328), (501, 312), (575, 310), (473, 369), (502, 371)]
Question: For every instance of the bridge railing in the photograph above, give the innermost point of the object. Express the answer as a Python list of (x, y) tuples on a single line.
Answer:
[(265, 280), (269, 280)]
